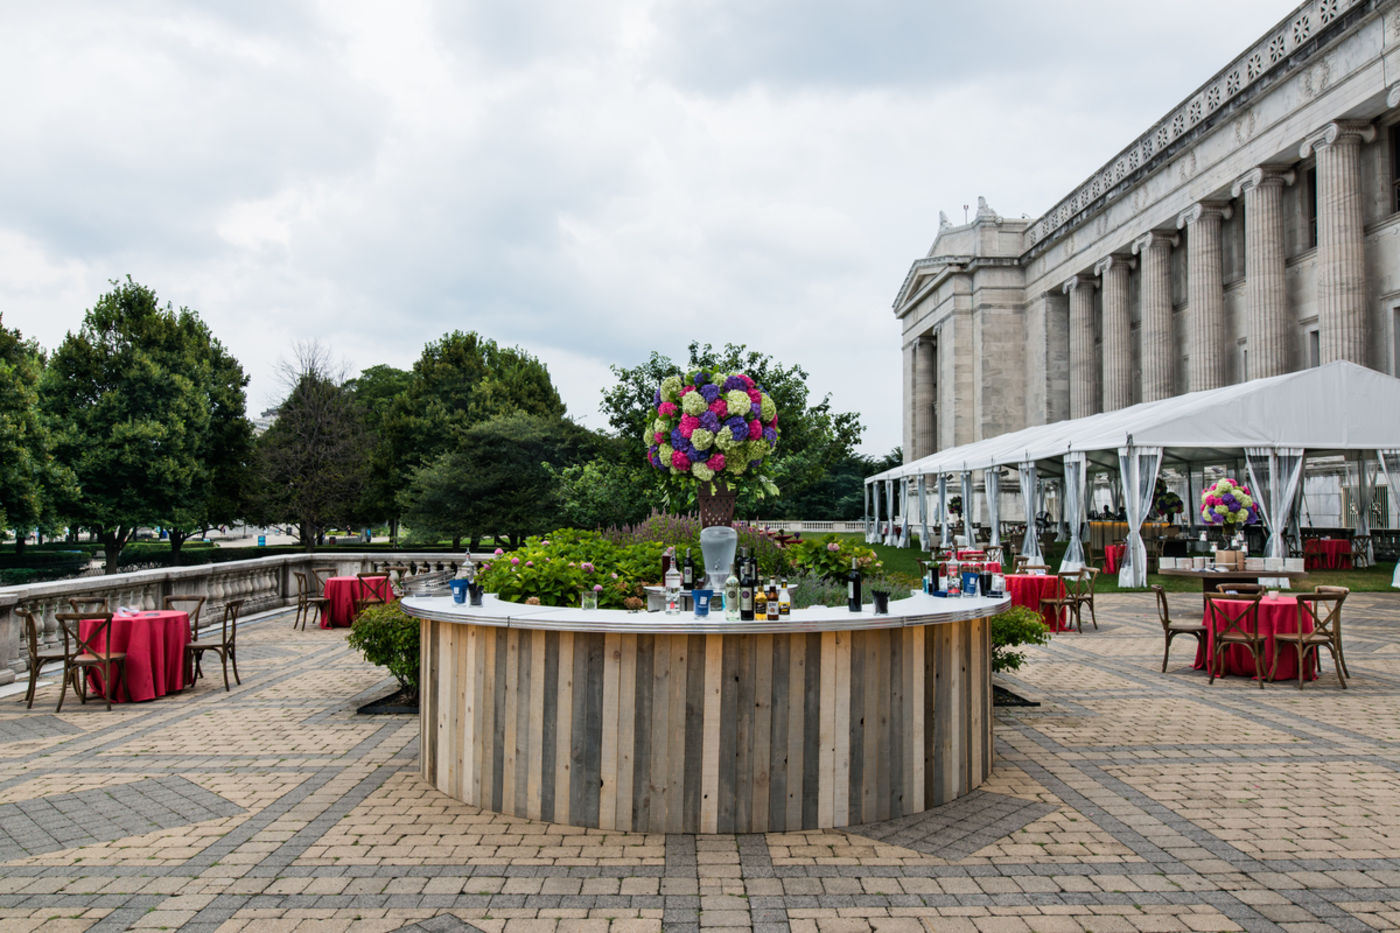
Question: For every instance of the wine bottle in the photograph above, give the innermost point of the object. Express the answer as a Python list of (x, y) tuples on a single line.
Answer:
[(784, 601), (731, 596), (745, 589), (853, 587), (688, 572)]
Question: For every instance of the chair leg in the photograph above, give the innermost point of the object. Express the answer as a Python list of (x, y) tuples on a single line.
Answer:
[(1273, 668), (67, 676), (233, 659), (33, 686), (223, 661), (1166, 651), (1258, 663), (1341, 658)]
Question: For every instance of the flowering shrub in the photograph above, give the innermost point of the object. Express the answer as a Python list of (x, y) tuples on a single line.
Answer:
[(558, 567), (711, 425), (683, 531), (830, 557), (1228, 503)]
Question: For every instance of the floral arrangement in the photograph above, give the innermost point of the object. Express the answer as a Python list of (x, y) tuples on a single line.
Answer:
[(830, 557), (711, 426), (1165, 502), (1228, 503)]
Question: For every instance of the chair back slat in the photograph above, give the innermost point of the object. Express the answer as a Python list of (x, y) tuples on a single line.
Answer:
[(1234, 615), (375, 587), (1325, 612), (190, 604), (96, 640), (229, 626), (1163, 613)]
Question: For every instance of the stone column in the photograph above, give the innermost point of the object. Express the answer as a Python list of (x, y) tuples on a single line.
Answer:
[(1205, 295), (1266, 299), (1158, 347), (925, 381), (1117, 330), (1341, 259), (1083, 368)]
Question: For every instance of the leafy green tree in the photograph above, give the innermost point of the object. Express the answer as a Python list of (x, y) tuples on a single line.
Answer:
[(377, 391), (812, 438), (313, 462), (600, 493), (133, 405), (499, 479), (28, 474)]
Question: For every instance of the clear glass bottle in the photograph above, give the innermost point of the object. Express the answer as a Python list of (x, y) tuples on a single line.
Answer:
[(731, 597), (784, 601), (673, 590)]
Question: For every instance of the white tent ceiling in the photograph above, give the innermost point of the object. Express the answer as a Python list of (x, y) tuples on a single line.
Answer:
[(1327, 409)]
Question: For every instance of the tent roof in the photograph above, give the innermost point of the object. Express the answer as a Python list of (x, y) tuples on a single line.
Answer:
[(1337, 407)]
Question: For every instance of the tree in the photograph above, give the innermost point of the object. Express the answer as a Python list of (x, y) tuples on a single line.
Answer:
[(312, 464), (812, 438), (499, 479), (28, 474), (377, 391), (132, 402)]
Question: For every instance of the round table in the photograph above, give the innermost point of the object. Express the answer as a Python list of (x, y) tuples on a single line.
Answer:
[(154, 643), (341, 593), (1028, 589), (1276, 614), (654, 723)]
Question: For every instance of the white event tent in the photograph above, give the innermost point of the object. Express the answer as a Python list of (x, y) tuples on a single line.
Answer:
[(1270, 425)]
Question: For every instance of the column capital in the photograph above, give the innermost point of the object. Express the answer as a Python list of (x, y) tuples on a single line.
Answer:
[(1075, 281), (1393, 98), (1342, 130), (1201, 209), (1263, 175), (1154, 238), (1111, 260)]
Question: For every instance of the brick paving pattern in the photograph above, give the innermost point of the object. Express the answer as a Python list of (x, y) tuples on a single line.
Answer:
[(1129, 800)]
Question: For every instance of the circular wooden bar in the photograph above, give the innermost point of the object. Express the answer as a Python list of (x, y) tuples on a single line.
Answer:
[(654, 723)]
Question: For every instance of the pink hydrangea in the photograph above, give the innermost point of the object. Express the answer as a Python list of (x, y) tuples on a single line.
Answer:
[(679, 460), (688, 425), (515, 562), (755, 430), (755, 396), (686, 389), (658, 438), (499, 552), (716, 462), (719, 408), (746, 380), (666, 409)]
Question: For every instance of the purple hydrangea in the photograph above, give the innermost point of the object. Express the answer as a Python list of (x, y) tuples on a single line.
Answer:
[(710, 391), (770, 435), (701, 378), (754, 464), (698, 456), (754, 409), (738, 426), (656, 397), (734, 383), (710, 422), (678, 440)]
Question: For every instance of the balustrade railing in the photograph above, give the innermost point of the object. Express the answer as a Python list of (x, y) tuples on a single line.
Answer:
[(263, 583)]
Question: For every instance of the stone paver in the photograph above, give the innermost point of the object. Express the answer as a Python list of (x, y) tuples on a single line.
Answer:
[(1128, 800)]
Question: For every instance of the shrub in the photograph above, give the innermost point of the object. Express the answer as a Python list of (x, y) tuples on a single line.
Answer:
[(388, 636), (1017, 625), (557, 567), (830, 557)]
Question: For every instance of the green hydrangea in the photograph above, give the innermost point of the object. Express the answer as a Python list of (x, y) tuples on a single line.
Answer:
[(702, 472), (702, 439), (660, 425), (670, 388), (693, 403), (725, 441), (664, 454), (738, 403), (767, 410)]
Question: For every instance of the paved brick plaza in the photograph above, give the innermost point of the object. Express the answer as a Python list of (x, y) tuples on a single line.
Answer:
[(1130, 800)]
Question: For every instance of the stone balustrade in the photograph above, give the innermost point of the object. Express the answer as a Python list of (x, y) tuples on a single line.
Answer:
[(263, 583)]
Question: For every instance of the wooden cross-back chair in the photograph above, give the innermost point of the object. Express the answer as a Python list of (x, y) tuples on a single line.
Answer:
[(89, 652), (190, 604), (308, 600), (1172, 628), (224, 643), (1236, 623), (374, 590), (39, 657)]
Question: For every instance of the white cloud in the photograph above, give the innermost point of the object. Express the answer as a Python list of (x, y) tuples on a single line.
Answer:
[(590, 182)]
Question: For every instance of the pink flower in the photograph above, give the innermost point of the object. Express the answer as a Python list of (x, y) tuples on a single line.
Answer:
[(833, 546), (755, 396), (587, 567), (529, 563), (515, 562), (666, 409), (755, 430), (597, 587), (686, 389), (716, 462), (499, 552), (719, 408), (679, 460), (657, 437), (747, 381)]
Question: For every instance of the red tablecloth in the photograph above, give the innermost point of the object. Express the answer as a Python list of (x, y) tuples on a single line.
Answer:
[(1276, 614), (342, 593), (971, 554), (1113, 557), (154, 643), (1026, 589), (1326, 553)]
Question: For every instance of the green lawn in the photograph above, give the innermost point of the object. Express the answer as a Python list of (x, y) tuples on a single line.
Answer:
[(902, 564)]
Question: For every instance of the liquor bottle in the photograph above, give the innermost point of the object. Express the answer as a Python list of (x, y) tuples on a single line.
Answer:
[(784, 601), (745, 589), (954, 578), (731, 596), (688, 572), (760, 601), (665, 562), (853, 588), (673, 591), (773, 609)]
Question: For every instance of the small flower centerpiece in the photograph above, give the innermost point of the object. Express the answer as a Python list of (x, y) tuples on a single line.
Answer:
[(713, 430), (1166, 503), (1228, 503)]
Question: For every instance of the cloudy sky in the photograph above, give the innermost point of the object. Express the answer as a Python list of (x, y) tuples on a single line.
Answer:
[(588, 180)]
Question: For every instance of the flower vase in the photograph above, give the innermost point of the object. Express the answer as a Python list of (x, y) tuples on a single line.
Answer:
[(718, 539)]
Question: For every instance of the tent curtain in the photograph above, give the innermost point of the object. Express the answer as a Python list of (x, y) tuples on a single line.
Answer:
[(1138, 467), (921, 487), (1030, 544), (904, 515), (889, 539), (869, 537), (1276, 475), (1074, 511), (965, 481), (991, 481), (945, 534), (1363, 505), (1390, 466)]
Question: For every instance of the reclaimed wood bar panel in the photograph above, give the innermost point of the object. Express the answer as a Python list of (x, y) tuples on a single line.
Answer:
[(712, 732)]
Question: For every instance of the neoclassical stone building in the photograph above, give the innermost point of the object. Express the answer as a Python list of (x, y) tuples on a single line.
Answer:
[(1253, 230)]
